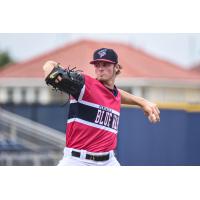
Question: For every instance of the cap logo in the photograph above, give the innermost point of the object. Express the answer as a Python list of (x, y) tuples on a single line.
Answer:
[(102, 53)]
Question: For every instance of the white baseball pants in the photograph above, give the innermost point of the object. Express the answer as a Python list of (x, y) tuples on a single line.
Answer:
[(69, 160)]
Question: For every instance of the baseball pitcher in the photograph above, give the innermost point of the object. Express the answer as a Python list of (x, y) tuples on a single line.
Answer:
[(92, 125)]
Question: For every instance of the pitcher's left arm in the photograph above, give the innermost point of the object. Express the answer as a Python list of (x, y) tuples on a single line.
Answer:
[(150, 109)]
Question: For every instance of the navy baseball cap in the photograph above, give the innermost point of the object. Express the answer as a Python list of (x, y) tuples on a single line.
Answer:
[(106, 55)]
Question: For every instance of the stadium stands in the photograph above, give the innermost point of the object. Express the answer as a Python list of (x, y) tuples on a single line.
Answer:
[(25, 142), (9, 145)]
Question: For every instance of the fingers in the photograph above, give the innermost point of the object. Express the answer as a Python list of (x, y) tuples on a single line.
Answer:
[(152, 118), (47, 69), (151, 110), (58, 79), (156, 112)]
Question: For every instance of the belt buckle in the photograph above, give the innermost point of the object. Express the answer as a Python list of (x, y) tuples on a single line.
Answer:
[(93, 157)]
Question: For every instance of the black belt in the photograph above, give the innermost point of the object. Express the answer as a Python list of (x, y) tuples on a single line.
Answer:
[(91, 157)]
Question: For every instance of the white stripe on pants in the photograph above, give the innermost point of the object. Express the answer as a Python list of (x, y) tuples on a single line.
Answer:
[(69, 160)]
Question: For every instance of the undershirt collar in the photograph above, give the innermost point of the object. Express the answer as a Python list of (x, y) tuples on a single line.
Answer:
[(114, 91)]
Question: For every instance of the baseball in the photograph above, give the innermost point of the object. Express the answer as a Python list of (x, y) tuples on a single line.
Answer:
[(152, 118)]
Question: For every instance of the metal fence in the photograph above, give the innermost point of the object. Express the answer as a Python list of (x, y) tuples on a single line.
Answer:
[(42, 145)]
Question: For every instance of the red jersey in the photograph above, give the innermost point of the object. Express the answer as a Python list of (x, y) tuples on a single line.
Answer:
[(93, 119)]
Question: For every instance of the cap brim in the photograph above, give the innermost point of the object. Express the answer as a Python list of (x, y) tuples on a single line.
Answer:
[(104, 60)]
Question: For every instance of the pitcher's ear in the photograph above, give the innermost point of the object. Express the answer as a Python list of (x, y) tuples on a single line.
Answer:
[(118, 68)]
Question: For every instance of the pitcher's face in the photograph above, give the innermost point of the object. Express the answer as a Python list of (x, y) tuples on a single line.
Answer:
[(104, 71)]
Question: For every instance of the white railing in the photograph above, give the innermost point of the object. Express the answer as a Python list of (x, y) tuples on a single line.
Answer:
[(25, 159), (46, 144), (17, 125)]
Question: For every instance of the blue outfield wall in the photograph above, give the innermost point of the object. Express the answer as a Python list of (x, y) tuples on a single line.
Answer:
[(164, 143), (54, 116), (173, 141)]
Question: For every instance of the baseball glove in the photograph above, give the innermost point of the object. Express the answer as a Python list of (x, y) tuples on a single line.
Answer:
[(66, 80)]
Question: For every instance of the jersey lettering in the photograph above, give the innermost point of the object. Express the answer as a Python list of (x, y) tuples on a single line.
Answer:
[(106, 117), (115, 122)]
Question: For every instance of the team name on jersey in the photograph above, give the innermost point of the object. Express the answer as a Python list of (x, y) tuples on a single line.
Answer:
[(107, 118), (94, 115)]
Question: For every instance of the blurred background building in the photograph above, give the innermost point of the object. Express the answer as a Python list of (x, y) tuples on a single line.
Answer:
[(163, 69), (143, 74)]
